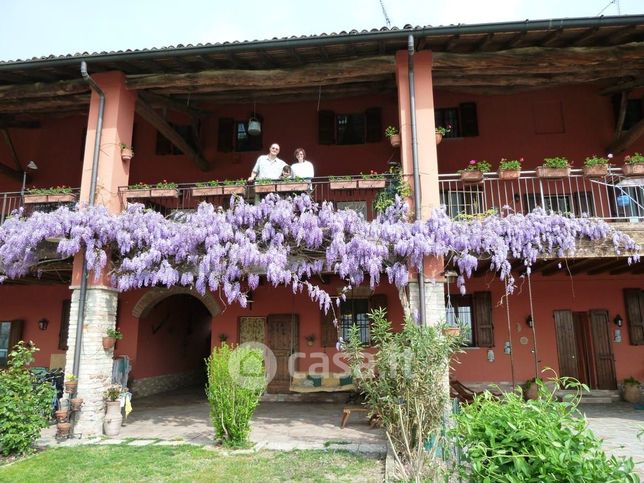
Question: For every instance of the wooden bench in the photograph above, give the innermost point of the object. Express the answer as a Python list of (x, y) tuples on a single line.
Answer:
[(349, 408)]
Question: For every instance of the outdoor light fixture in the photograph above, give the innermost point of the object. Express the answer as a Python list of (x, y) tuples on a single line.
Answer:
[(42, 324), (618, 320), (490, 355), (30, 166), (249, 300), (529, 321)]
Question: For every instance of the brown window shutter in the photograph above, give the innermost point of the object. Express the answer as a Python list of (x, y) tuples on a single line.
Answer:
[(374, 125), (483, 319), (378, 301), (469, 120), (15, 333), (64, 326), (634, 301), (328, 331), (326, 127), (225, 135)]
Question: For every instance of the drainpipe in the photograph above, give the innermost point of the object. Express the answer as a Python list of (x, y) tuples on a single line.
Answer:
[(92, 194), (414, 156)]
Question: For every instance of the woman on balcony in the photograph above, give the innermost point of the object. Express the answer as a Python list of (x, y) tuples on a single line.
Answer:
[(302, 168)]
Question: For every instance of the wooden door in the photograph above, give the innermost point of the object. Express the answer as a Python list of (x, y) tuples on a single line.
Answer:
[(566, 343), (282, 339), (603, 353)]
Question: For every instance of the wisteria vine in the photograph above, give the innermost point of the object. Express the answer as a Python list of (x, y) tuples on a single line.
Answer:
[(288, 240)]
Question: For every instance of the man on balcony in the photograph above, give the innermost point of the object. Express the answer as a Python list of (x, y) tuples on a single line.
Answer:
[(268, 166)]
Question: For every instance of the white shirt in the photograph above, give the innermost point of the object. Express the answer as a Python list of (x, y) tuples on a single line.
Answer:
[(302, 170), (267, 168)]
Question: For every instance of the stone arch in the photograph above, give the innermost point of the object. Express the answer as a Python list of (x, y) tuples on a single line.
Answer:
[(155, 295)]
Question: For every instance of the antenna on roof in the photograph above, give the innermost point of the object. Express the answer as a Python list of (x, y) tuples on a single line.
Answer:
[(384, 12), (616, 2)]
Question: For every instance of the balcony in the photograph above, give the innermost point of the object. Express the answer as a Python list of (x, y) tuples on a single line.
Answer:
[(613, 197), (11, 201), (351, 192)]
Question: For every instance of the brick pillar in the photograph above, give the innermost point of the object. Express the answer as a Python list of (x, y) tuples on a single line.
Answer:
[(95, 368), (427, 167)]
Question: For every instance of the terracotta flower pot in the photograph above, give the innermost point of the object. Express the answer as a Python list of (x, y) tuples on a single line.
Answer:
[(108, 342), (296, 186), (207, 191), (53, 198), (552, 173), (62, 415), (63, 429), (70, 387), (126, 154), (596, 171), (532, 393), (395, 140), (452, 331), (633, 169), (233, 189), (164, 193), (631, 393), (265, 188), (113, 418), (509, 174), (371, 183), (471, 176), (439, 138), (76, 403), (136, 193), (343, 185)]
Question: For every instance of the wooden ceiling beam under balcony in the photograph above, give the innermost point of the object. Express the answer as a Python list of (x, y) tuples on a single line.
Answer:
[(624, 140), (41, 90), (150, 115)]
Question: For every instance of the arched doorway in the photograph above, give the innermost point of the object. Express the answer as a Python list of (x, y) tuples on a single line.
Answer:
[(174, 335)]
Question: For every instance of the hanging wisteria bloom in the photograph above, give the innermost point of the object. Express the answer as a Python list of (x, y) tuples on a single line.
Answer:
[(288, 241)]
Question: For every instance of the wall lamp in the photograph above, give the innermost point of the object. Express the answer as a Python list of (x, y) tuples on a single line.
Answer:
[(42, 324), (618, 320), (529, 321), (249, 300)]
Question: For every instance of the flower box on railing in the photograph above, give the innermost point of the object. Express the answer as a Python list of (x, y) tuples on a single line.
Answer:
[(633, 169), (204, 191), (265, 188), (52, 198), (597, 171), (233, 189), (509, 174), (295, 186), (472, 176), (552, 173), (371, 183), (151, 193), (343, 184)]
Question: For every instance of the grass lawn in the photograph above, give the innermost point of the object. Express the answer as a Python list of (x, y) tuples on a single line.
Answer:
[(188, 463)]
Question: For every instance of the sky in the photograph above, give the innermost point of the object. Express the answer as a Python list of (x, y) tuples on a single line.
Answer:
[(34, 28)]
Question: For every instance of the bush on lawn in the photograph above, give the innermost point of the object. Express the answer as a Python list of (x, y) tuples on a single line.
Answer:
[(236, 382), (509, 439), (25, 404)]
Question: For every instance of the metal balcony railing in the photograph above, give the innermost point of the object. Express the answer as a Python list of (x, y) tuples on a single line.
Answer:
[(11, 201), (612, 197)]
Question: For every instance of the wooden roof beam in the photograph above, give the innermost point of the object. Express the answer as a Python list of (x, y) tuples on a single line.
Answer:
[(174, 104), (515, 40), (625, 269), (551, 38), (449, 45), (605, 266), (484, 43), (587, 35), (11, 173), (624, 86), (551, 267), (622, 34), (150, 115), (624, 140), (39, 90)]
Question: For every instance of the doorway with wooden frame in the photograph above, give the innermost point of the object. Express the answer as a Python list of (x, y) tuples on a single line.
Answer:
[(282, 336), (584, 347)]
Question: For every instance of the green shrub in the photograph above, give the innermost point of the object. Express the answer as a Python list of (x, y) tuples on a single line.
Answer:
[(557, 162), (508, 439), (24, 403), (405, 386), (236, 382)]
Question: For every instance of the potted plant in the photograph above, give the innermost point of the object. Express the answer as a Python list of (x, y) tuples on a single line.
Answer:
[(441, 131), (234, 186), (393, 135), (112, 335), (63, 429), (474, 171), (510, 169), (371, 180), (557, 167), (127, 153), (631, 390), (71, 383), (342, 182), (54, 194), (596, 166), (292, 184), (138, 190), (207, 188), (62, 415), (164, 189), (452, 330), (310, 339), (633, 165), (265, 186), (531, 389), (76, 403), (113, 416)]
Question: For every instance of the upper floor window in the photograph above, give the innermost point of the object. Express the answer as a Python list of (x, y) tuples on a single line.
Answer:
[(350, 128), (233, 136), (188, 132), (462, 119)]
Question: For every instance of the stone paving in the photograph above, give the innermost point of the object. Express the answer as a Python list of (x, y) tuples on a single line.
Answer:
[(182, 416), (618, 424)]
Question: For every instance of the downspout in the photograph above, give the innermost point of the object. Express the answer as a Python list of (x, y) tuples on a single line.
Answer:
[(414, 156), (92, 194)]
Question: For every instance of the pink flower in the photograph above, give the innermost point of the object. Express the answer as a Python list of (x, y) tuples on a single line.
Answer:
[(521, 160), (472, 161), (610, 156)]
